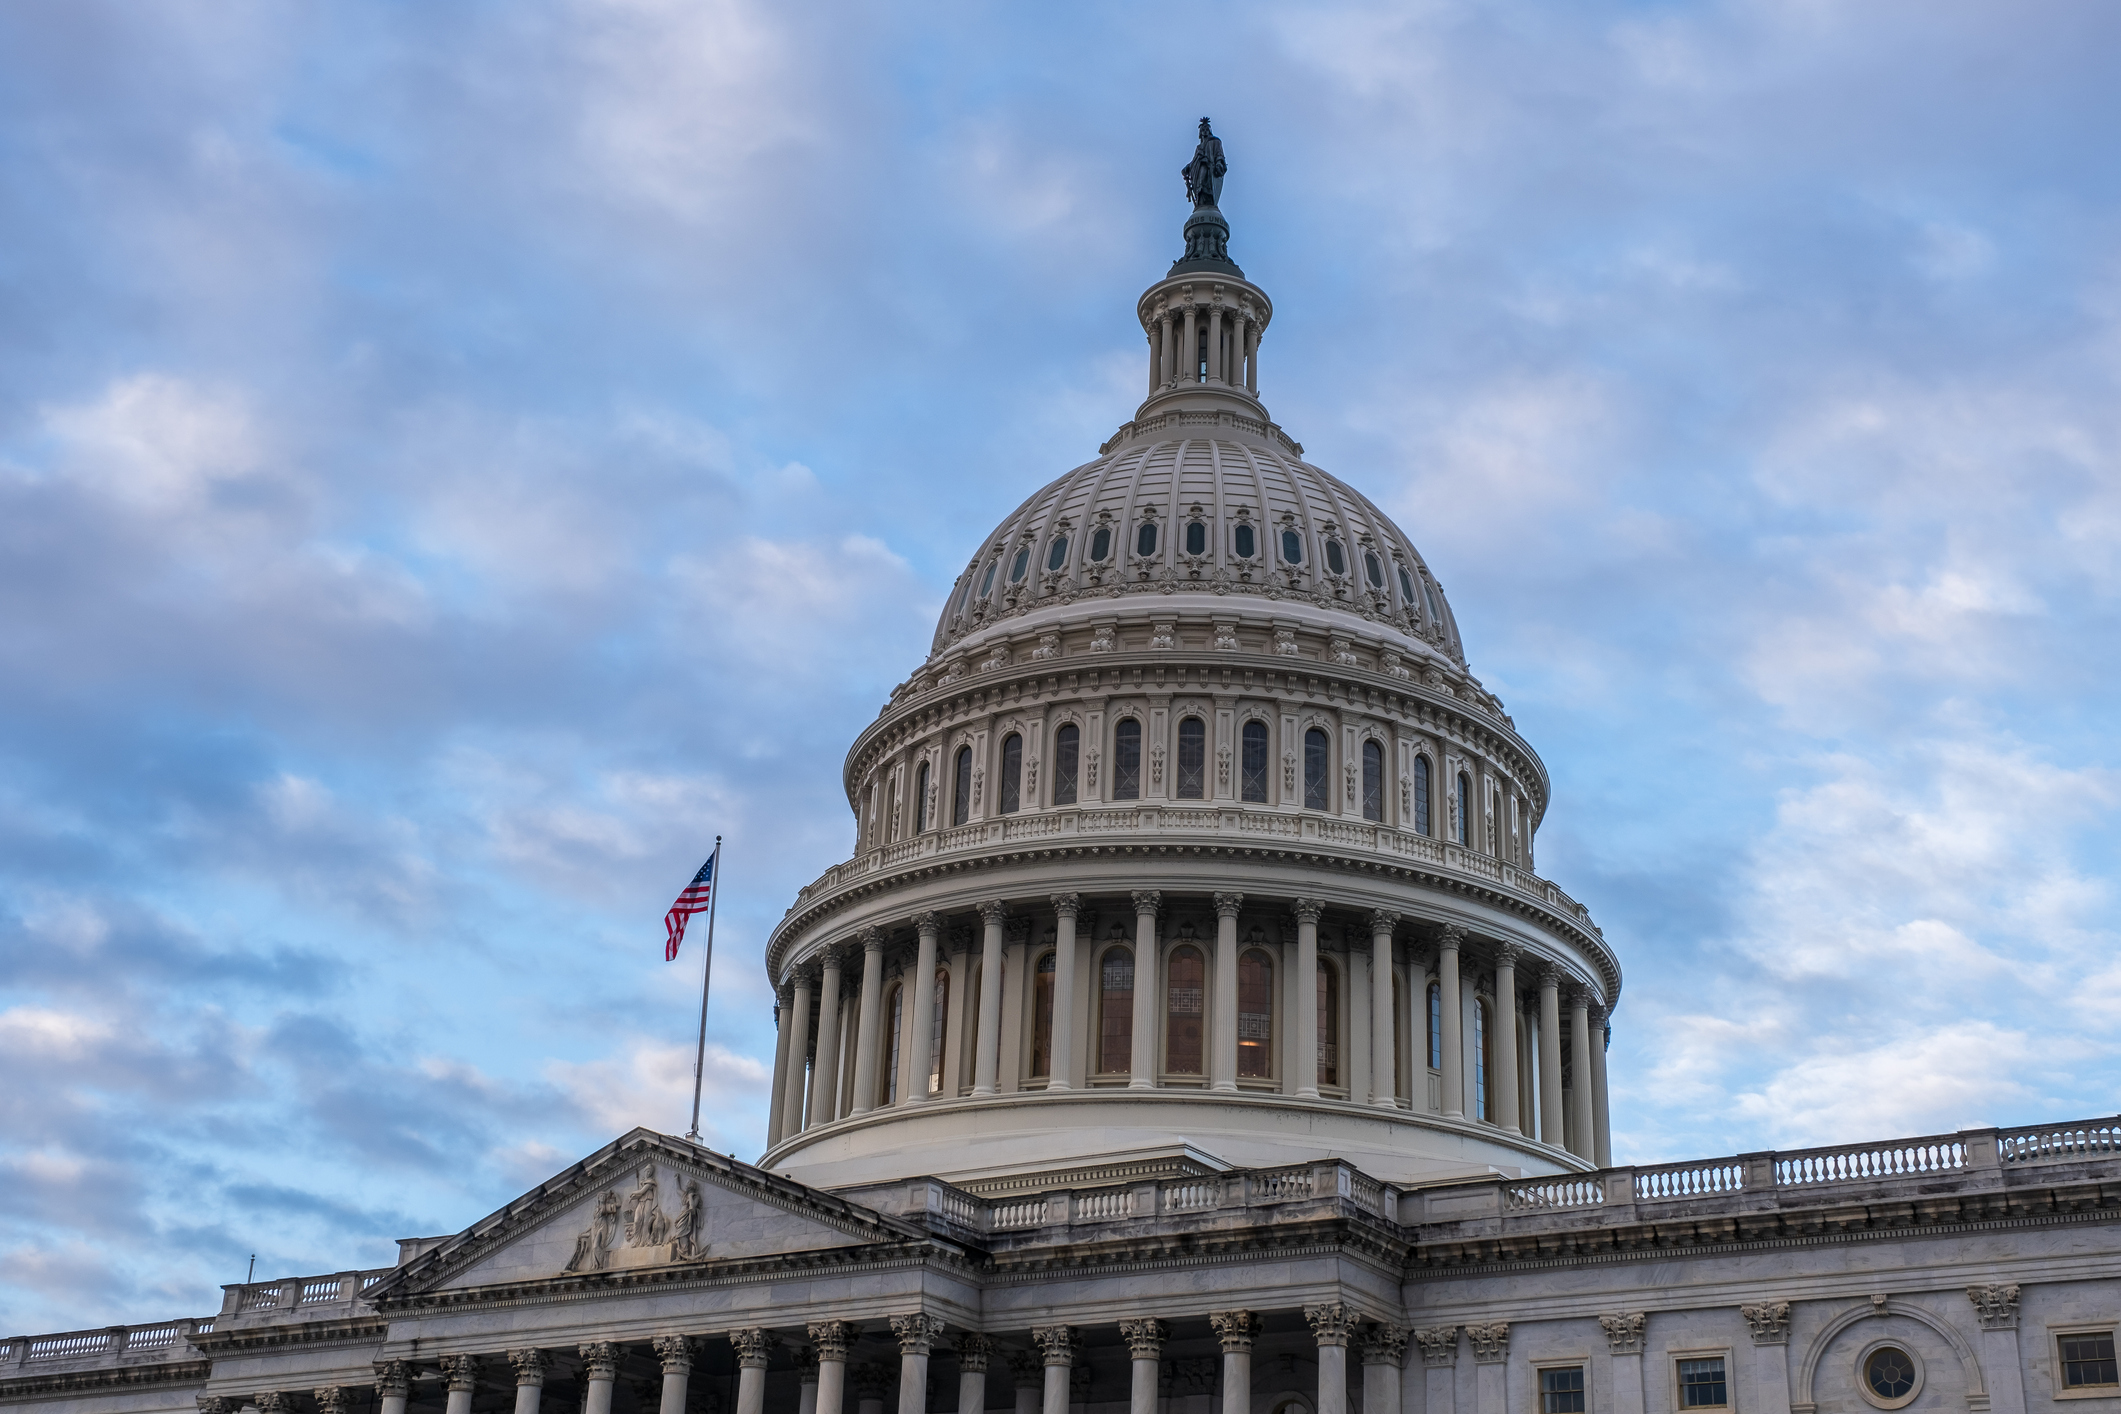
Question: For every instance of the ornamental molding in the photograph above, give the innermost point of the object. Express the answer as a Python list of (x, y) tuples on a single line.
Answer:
[(1624, 1331), (1145, 1338), (1439, 1346), (1331, 1322), (1235, 1329), (973, 1351), (1384, 1344), (830, 1339), (1056, 1344), (1491, 1342), (1995, 1305), (1768, 1321)]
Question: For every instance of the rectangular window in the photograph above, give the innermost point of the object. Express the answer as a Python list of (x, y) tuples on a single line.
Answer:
[(1561, 1391), (2088, 1360), (1127, 760), (1701, 1384), (1067, 747), (1255, 761)]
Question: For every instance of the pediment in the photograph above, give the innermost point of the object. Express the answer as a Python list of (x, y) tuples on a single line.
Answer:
[(646, 1203)]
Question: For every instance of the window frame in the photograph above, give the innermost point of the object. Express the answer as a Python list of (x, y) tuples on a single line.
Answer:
[(961, 787), (1009, 785), (1244, 527), (1268, 1081), (1067, 763), (1199, 781), (1281, 548), (1325, 775), (1424, 796), (1164, 1073), (1045, 963), (1862, 1372), (1373, 783), (1581, 1364), (1150, 529), (2056, 1334), (1057, 553), (1465, 811), (1118, 762), (1673, 1358), (1090, 551), (1193, 523), (1266, 760), (920, 799), (1097, 1071)]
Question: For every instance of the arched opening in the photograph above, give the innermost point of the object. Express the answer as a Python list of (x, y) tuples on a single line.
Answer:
[(1185, 1003), (1255, 1016), (1115, 1011), (1127, 760), (1373, 781), (938, 1030), (1421, 796), (961, 788), (1253, 785), (1042, 1017), (1435, 1010), (1012, 773), (920, 799), (1192, 759), (1483, 1058), (1328, 1024), (1318, 752), (894, 1027), (1067, 756), (1465, 810)]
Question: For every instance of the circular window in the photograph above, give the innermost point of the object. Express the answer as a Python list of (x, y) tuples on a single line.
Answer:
[(1889, 1376)]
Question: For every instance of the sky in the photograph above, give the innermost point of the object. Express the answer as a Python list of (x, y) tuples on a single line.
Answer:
[(458, 459)]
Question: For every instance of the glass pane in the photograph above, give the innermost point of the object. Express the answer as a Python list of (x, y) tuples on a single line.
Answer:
[(1012, 773), (1336, 560), (1186, 1005), (1115, 1013), (2088, 1360), (1196, 538), (1890, 1373), (920, 800), (1328, 1026), (1465, 809), (1058, 555), (961, 788), (1127, 761), (1373, 781), (1561, 1391), (1241, 541), (1145, 542), (1406, 587), (1067, 747), (1100, 543), (1374, 570), (1042, 1017), (1701, 1384), (1317, 750), (1435, 612), (1192, 759), (1292, 547), (1255, 1016), (938, 1028), (1421, 794), (1255, 762), (1480, 1060), (1435, 1026), (1020, 564), (898, 1007)]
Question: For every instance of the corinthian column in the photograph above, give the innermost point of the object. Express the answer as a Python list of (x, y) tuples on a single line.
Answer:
[(1550, 1126), (987, 1063), (1057, 1345), (1235, 1330), (530, 1378), (1188, 369), (1146, 976), (394, 1386), (1580, 1068), (675, 1351), (973, 1352), (1332, 1323), (462, 1373), (753, 1348), (798, 1056), (1308, 911), (1222, 1069), (1382, 1347), (1061, 1066), (1601, 1116), (825, 1070), (916, 1337), (830, 1338), (600, 1368), (1384, 1048), (1502, 1095), (1145, 1342), (867, 1051), (1215, 344), (777, 1101), (1454, 1047), (923, 1023)]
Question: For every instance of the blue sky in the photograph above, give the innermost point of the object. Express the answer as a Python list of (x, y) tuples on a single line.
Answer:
[(457, 459)]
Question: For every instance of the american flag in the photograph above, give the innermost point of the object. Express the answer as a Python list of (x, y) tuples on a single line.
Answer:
[(693, 900)]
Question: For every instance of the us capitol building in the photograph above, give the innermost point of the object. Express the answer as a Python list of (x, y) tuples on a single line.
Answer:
[(1190, 1032)]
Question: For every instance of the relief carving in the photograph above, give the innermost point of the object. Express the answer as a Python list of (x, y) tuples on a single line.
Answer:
[(645, 1224), (592, 1249), (685, 1244)]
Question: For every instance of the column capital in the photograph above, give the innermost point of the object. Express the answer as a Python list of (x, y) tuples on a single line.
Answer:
[(1995, 1305), (1383, 922), (916, 1332), (675, 1351), (830, 956), (1026, 1370), (1308, 910), (1383, 1345), (1550, 975), (960, 939), (1439, 1345), (600, 1360), (871, 1381), (1018, 930), (331, 1399), (830, 1338), (222, 1404), (462, 1372), (1507, 954), (992, 912), (1579, 994), (784, 994), (529, 1366), (1450, 937), (806, 1364), (1067, 905), (973, 1351), (1056, 1344), (1147, 902), (1623, 1331), (1145, 1338), (276, 1401), (1769, 1321), (393, 1377), (1234, 1329), (754, 1347), (1332, 1322), (1227, 905), (929, 923), (872, 940), (1491, 1342), (1600, 1014)]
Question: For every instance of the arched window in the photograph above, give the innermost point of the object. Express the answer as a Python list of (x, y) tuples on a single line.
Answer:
[(1021, 563), (894, 1026), (1481, 1058), (920, 799), (1100, 543), (1373, 781), (1042, 1017), (1435, 609), (1127, 760), (1196, 538), (1318, 748), (1115, 1012), (1012, 773), (986, 583), (1336, 558), (1067, 753), (1421, 796), (1192, 759), (1145, 540), (1373, 569), (1465, 810), (1254, 772), (1436, 1026), (1185, 1002), (1406, 588), (961, 788), (1255, 1016), (1243, 542), (1328, 1024), (1292, 547), (1057, 555), (938, 1030)]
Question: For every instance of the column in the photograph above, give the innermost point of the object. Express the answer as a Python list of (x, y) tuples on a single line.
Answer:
[(1215, 344), (1550, 1130), (1996, 1308), (1027, 1373), (1168, 352), (530, 1378), (805, 1380), (1580, 1068), (1308, 911), (1769, 1321), (1145, 1343), (1601, 1118), (830, 1338), (332, 1399), (825, 1070), (1146, 976), (1503, 1091), (798, 1057), (1235, 1330), (871, 1382), (916, 1337), (600, 1368), (989, 1057), (675, 1351), (1439, 1356), (753, 1348), (922, 988), (1454, 1047), (1491, 1355), (1189, 348), (1383, 1348), (394, 1387), (777, 1102), (972, 1355), (1155, 358), (1222, 1024), (1623, 1333), (1056, 1344), (868, 1052), (1252, 361), (1235, 374), (1331, 1323), (1065, 1028), (462, 1373), (1384, 1050)]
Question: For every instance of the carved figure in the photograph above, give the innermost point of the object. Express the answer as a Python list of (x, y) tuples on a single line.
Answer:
[(685, 1244), (1204, 174), (592, 1248), (645, 1224)]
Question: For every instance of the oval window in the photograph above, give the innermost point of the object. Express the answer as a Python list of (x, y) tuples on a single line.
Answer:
[(1292, 548), (1021, 563), (1373, 569), (1196, 538), (1406, 587), (1100, 543), (1336, 560), (1145, 543), (1241, 540), (987, 581), (1058, 555)]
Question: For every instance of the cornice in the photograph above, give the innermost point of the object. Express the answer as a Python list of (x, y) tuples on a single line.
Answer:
[(345, 1330), (160, 1372)]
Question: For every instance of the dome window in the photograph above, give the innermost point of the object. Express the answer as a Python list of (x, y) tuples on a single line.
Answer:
[(1100, 544), (1196, 538), (1435, 610), (1406, 586), (1292, 547), (1021, 563), (1058, 555), (986, 584), (1145, 542), (1374, 569), (1336, 558), (1243, 542)]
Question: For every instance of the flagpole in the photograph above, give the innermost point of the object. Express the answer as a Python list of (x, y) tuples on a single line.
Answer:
[(699, 1063)]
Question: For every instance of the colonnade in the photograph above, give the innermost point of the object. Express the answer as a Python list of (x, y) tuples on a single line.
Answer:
[(1232, 347), (1459, 1028)]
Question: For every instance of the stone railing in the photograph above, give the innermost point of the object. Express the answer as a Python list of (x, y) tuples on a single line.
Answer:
[(1236, 1190), (298, 1298), (109, 1345)]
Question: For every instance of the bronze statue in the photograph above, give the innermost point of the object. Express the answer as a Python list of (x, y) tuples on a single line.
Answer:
[(1204, 174)]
